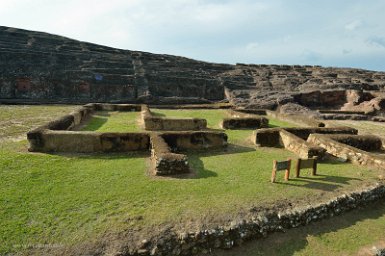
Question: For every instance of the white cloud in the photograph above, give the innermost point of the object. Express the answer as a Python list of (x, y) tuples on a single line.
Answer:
[(376, 41), (270, 31), (354, 25), (346, 51)]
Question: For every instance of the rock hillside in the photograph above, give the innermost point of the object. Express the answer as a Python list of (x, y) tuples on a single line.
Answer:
[(40, 67)]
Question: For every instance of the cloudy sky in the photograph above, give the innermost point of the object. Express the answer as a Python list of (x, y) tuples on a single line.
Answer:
[(349, 33)]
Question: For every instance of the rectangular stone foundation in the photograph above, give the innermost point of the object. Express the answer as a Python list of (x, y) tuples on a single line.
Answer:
[(56, 136)]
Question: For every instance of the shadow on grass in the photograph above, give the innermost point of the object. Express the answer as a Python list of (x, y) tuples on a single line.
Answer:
[(96, 121), (157, 114), (198, 171), (322, 182), (196, 164), (296, 240), (230, 149)]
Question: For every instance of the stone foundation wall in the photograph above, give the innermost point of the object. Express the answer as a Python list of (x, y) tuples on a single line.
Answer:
[(86, 142), (270, 137), (73, 119), (245, 123), (356, 117), (345, 117), (56, 136), (69, 121), (172, 124), (341, 112), (363, 142), (259, 225), (304, 132), (153, 123), (195, 140), (64, 123), (343, 151), (244, 120), (164, 145), (260, 112), (299, 146), (194, 106), (164, 161), (116, 107)]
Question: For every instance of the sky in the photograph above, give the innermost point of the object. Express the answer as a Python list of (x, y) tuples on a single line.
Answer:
[(342, 33)]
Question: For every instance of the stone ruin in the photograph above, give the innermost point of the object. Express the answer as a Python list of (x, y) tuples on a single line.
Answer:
[(343, 143), (164, 137), (166, 159), (40, 68)]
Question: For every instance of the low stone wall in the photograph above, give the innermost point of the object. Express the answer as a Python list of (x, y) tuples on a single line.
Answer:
[(296, 119), (116, 107), (173, 124), (364, 142), (55, 136), (164, 161), (153, 123), (259, 225), (270, 137), (195, 106), (245, 123), (73, 119), (64, 123), (260, 112), (86, 142), (243, 120), (299, 146), (345, 117), (195, 140), (341, 112), (343, 151), (67, 122), (304, 132), (349, 115), (145, 112), (355, 117)]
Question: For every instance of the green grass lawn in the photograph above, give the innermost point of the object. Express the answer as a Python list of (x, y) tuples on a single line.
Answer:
[(17, 120), (113, 121), (72, 199)]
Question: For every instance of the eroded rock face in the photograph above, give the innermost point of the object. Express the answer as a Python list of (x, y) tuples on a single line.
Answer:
[(295, 109), (40, 67), (372, 106)]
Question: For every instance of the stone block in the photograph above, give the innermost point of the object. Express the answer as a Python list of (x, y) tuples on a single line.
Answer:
[(245, 123)]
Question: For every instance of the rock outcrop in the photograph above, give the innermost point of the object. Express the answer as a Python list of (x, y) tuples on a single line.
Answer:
[(40, 67)]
